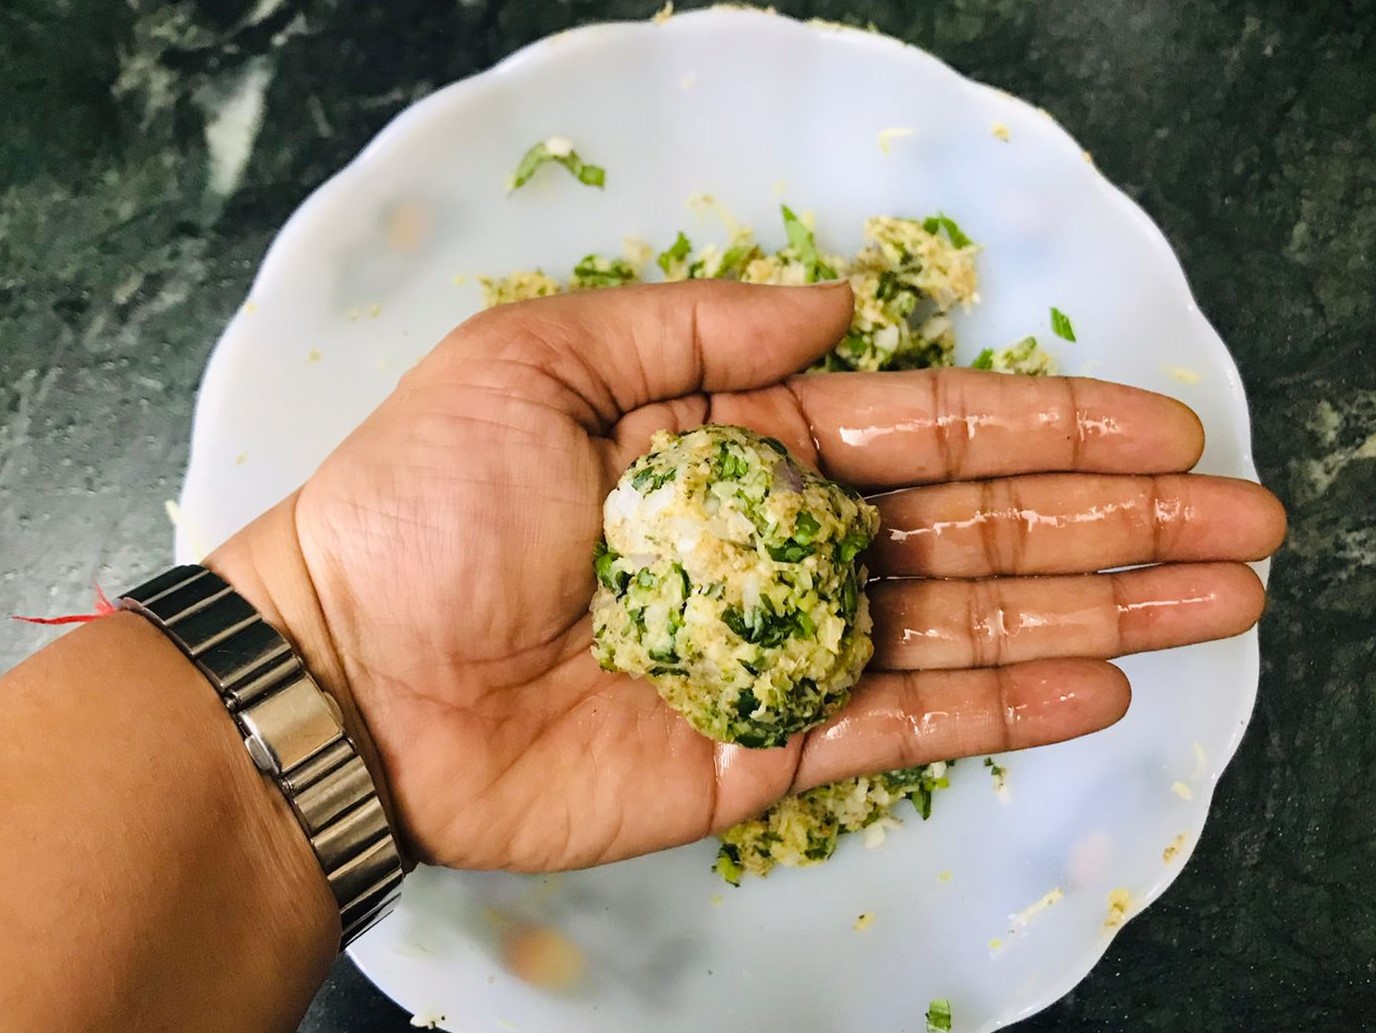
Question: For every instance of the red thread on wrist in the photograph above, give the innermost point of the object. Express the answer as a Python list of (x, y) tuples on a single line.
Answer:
[(103, 608)]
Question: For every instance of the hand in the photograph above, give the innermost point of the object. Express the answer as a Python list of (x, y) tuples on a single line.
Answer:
[(437, 569)]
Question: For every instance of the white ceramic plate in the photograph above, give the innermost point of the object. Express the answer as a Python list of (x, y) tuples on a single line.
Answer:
[(752, 107)]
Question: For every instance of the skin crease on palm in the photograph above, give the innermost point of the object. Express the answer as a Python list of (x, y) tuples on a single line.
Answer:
[(443, 554)]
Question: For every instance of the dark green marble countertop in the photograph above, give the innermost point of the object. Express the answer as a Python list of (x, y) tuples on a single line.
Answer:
[(1246, 128)]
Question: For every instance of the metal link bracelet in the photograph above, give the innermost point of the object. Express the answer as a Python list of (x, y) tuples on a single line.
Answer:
[(293, 731)]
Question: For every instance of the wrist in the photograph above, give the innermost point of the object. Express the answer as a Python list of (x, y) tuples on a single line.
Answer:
[(123, 778), (265, 565)]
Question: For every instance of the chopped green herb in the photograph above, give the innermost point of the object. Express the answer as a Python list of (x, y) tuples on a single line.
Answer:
[(540, 154), (852, 545), (1060, 323), (850, 596), (730, 465), (1027, 357), (998, 771), (791, 551), (889, 285), (854, 346), (939, 1016), (650, 479), (922, 802), (728, 864), (762, 626), (737, 256), (954, 233), (678, 251), (596, 271), (664, 656), (804, 246), (603, 559), (807, 527)]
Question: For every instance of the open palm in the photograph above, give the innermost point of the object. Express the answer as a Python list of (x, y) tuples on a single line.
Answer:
[(449, 539)]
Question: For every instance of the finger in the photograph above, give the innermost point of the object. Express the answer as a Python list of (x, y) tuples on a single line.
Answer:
[(901, 720), (893, 429), (620, 349), (1072, 524), (931, 625)]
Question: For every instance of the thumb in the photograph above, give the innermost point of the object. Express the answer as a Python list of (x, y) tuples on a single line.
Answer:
[(626, 347)]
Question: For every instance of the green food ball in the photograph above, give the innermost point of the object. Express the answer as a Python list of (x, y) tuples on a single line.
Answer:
[(728, 576)]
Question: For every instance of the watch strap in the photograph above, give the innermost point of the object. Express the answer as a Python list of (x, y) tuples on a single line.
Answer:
[(293, 731)]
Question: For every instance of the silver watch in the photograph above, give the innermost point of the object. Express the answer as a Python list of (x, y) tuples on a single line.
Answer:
[(293, 732)]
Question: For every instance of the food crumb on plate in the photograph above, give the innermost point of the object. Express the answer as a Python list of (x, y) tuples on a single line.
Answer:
[(1181, 790), (241, 459), (460, 279), (313, 355), (1023, 917), (716, 900), (1182, 374), (559, 150), (999, 773), (885, 137), (863, 921), (374, 310), (517, 286), (1001, 131), (939, 1016), (663, 14), (873, 836), (250, 307), (636, 250), (507, 1024), (1119, 901), (1201, 762), (426, 1020), (944, 876), (995, 944), (706, 204), (804, 829), (1173, 849)]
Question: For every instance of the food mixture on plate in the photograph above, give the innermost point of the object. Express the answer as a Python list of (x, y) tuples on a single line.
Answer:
[(729, 574), (907, 278)]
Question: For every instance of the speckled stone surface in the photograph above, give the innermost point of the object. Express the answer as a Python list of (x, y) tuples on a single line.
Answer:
[(133, 210)]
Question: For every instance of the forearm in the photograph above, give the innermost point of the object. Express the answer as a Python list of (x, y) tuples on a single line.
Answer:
[(150, 877)]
